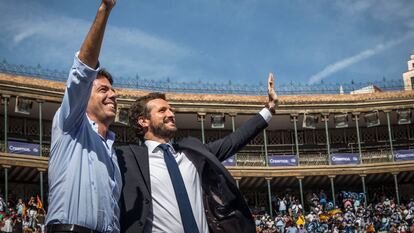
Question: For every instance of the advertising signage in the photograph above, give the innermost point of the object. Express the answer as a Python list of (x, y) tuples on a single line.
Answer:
[(404, 155), (23, 148), (283, 160), (231, 161), (344, 158)]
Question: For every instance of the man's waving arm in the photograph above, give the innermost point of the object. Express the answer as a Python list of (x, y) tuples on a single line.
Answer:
[(91, 47), (84, 71), (231, 144)]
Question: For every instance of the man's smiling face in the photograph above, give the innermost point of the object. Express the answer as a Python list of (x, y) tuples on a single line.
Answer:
[(102, 102), (161, 119)]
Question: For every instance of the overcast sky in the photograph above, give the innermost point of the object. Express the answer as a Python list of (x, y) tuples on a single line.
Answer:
[(219, 40)]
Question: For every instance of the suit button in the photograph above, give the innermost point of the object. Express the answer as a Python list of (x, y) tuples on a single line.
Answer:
[(146, 201)]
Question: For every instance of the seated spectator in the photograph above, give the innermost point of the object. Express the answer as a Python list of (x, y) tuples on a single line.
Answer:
[(282, 206), (291, 228), (26, 224), (20, 206), (375, 217), (280, 224), (300, 220), (296, 208), (7, 225), (322, 198)]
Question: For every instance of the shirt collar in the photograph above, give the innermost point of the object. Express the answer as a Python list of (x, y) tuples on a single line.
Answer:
[(153, 146), (110, 136)]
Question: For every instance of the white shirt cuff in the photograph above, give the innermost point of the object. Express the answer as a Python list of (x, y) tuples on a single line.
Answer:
[(266, 114)]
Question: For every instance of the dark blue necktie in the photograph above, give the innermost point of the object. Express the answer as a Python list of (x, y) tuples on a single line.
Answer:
[(186, 212)]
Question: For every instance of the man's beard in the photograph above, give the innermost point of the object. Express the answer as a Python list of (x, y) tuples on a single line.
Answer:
[(161, 131)]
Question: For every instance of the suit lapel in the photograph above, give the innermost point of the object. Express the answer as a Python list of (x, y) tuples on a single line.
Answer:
[(189, 148), (193, 145), (141, 156)]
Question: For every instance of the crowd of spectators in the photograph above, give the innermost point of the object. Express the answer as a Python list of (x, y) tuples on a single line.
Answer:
[(349, 215), (22, 216)]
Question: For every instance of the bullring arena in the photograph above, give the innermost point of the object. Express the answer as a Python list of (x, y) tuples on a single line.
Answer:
[(323, 155)]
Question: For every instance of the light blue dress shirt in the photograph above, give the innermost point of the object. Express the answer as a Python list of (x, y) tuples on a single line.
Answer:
[(84, 177)]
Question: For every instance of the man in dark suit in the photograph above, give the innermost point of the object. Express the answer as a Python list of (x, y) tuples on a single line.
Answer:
[(182, 186)]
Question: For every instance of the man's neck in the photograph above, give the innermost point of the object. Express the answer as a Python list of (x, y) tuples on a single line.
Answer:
[(152, 137), (102, 130), (102, 126)]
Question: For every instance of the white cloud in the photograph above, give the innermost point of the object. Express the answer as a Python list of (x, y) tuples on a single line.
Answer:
[(52, 38), (346, 62), (383, 10)]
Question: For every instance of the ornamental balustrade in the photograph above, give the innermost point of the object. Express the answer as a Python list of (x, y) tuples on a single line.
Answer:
[(257, 158), (374, 141)]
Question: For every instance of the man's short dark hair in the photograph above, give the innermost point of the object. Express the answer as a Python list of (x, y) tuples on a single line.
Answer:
[(103, 73), (139, 108)]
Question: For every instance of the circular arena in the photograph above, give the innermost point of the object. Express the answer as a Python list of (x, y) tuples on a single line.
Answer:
[(333, 156)]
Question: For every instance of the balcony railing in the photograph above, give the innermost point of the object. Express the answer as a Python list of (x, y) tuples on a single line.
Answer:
[(312, 159), (257, 159), (250, 160)]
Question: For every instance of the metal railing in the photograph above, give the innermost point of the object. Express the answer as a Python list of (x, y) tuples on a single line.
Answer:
[(250, 160), (255, 159), (167, 85), (312, 159)]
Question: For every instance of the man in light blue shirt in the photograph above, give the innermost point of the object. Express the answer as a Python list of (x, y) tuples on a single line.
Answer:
[(84, 177)]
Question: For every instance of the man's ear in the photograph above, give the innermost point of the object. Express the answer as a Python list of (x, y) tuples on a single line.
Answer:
[(143, 122)]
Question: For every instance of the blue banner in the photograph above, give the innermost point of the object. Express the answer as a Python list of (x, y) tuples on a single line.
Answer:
[(230, 161), (283, 160), (404, 155), (22, 148), (344, 158)]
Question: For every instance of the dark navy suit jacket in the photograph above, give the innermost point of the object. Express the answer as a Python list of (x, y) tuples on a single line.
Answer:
[(225, 208)]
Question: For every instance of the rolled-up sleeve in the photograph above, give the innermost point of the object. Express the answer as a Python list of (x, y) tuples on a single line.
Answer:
[(77, 93)]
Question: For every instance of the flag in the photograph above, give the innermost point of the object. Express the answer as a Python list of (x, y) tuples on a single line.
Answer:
[(24, 211), (39, 203)]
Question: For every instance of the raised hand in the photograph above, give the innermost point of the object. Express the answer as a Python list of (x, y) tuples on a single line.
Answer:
[(109, 4), (91, 46), (273, 100)]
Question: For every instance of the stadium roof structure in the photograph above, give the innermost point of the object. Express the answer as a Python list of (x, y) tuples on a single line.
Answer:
[(251, 174), (225, 87), (58, 86)]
